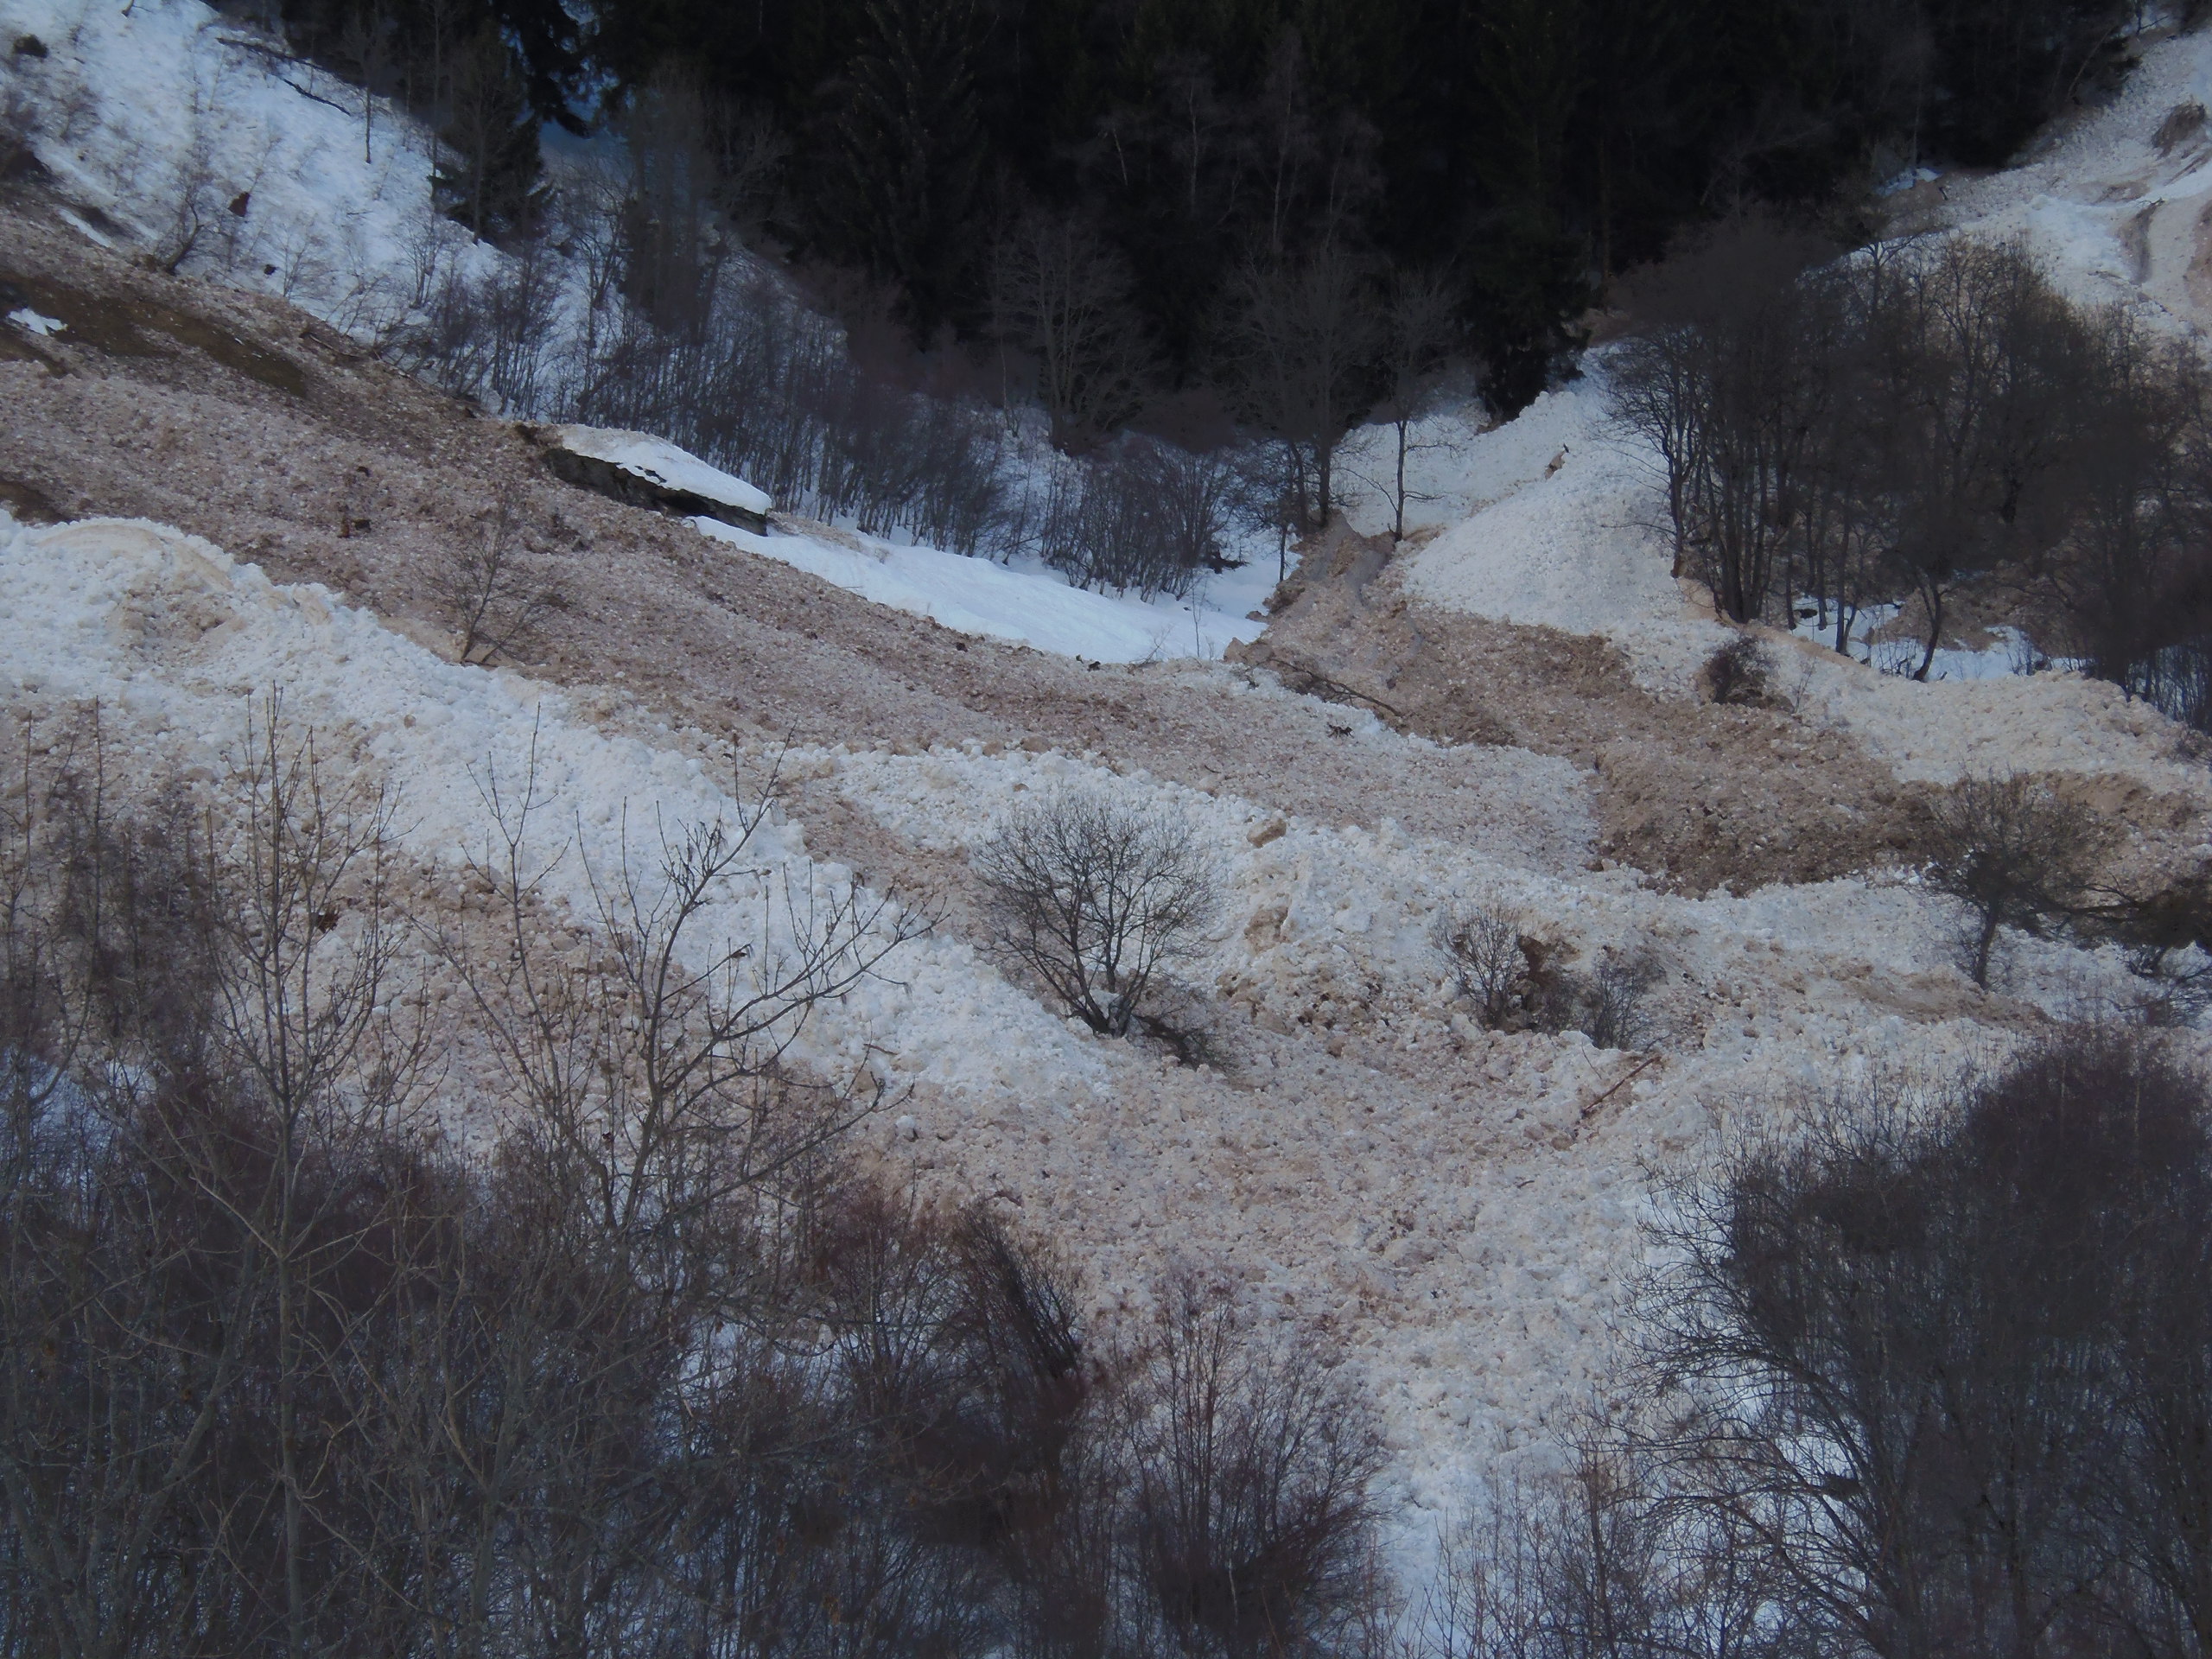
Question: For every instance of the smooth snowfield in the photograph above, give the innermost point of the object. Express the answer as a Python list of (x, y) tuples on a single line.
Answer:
[(1031, 606)]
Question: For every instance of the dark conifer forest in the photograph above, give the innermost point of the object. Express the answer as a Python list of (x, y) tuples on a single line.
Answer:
[(1196, 158)]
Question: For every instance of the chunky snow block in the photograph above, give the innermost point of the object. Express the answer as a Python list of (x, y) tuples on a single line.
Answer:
[(648, 472)]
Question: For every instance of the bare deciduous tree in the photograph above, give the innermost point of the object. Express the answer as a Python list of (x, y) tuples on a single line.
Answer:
[(1252, 1471), (1061, 294), (1302, 339), (1095, 897), (2014, 853), (1481, 942)]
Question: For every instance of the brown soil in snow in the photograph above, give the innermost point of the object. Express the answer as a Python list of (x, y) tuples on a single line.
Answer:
[(362, 479), (1706, 795)]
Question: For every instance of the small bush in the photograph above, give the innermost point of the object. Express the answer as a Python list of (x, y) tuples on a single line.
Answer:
[(2014, 854), (1481, 943), (1095, 897), (2183, 123), (1608, 1006), (1740, 672)]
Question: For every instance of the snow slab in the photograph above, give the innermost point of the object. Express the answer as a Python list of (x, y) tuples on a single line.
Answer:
[(658, 461), (1031, 606)]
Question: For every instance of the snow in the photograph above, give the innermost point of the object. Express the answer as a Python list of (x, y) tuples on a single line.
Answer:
[(154, 116), (165, 105), (1031, 606), (1480, 1316), (2111, 216), (1487, 1315), (660, 462)]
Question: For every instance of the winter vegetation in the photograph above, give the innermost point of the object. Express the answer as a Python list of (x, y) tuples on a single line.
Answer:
[(1290, 832)]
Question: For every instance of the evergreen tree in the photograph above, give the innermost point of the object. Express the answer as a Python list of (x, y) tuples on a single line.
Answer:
[(489, 177), (900, 158)]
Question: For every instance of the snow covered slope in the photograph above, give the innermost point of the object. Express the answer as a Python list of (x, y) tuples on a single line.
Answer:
[(1030, 605), (192, 138), (1458, 1206), (2112, 211)]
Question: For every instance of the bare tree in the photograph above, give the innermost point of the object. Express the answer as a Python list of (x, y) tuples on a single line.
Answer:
[(1252, 1471), (1097, 897), (1420, 328), (1906, 1344), (1302, 340), (485, 586), (1061, 293), (2014, 853), (1481, 942)]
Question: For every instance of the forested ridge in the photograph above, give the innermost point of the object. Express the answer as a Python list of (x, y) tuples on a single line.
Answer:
[(1525, 152)]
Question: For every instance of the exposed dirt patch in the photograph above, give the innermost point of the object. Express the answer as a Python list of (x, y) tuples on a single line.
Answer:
[(367, 480), (28, 502), (119, 319), (1698, 794)]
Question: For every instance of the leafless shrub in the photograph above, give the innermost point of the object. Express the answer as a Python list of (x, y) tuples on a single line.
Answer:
[(2014, 853), (1251, 1471), (1481, 941), (1942, 1353), (1602, 1560), (1740, 671), (1095, 897), (1609, 1005), (485, 585), (1141, 516)]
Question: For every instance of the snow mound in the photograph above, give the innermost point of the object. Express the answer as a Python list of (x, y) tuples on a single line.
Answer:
[(173, 640), (1030, 607), (2111, 213), (658, 461)]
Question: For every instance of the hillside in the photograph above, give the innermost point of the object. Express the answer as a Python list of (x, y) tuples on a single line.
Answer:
[(212, 493)]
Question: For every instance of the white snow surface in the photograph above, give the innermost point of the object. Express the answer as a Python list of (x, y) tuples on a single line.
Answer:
[(2112, 217), (165, 114), (658, 461), (1027, 604)]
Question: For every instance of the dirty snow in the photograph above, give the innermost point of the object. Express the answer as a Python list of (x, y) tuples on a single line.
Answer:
[(1460, 1206)]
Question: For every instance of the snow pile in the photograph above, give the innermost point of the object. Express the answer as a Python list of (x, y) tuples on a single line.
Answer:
[(1027, 604), (2110, 213), (173, 640), (658, 461)]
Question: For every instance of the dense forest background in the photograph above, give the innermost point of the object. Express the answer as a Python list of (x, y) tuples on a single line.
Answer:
[(1145, 176)]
